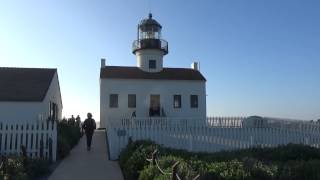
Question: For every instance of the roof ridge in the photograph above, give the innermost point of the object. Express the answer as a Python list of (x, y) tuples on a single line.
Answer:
[(139, 68)]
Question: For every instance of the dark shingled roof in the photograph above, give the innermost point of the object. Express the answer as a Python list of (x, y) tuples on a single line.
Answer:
[(25, 84), (120, 72)]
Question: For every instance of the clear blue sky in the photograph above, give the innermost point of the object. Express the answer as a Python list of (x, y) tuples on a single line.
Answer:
[(259, 57)]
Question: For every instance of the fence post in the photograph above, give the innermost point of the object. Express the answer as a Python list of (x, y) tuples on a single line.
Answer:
[(54, 140), (41, 148), (251, 141), (24, 155), (50, 149), (191, 128)]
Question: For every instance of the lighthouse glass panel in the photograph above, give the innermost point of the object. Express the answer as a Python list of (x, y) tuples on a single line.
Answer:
[(150, 34)]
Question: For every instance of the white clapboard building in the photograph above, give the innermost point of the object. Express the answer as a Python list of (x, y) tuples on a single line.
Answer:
[(29, 95), (150, 89)]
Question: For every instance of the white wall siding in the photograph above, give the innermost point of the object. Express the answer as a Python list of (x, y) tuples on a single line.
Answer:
[(53, 95), (20, 111), (143, 89), (143, 57)]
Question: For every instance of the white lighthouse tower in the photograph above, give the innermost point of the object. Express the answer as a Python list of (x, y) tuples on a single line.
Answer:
[(149, 48)]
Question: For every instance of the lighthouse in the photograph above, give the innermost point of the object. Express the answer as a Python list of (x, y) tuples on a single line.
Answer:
[(150, 90)]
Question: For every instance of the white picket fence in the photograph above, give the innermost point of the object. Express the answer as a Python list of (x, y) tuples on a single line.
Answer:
[(38, 137), (210, 135)]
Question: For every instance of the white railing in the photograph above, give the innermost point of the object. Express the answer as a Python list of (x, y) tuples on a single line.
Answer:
[(210, 135), (39, 138)]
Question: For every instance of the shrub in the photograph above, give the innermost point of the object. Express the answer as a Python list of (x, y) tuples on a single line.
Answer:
[(15, 169), (290, 162), (165, 163), (258, 170), (300, 170), (68, 136), (37, 167), (132, 163), (149, 172), (18, 169)]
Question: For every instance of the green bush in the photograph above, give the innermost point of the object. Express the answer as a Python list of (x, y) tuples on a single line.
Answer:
[(259, 170), (290, 162), (68, 136), (152, 172), (18, 169), (37, 167), (133, 159), (300, 170), (15, 169), (149, 172)]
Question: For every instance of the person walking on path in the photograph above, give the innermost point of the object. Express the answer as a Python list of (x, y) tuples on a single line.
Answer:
[(89, 126)]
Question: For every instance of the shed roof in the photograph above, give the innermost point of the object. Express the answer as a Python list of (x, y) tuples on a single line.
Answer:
[(25, 84)]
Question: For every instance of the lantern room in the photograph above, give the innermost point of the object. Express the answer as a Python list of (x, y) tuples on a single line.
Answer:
[(149, 36)]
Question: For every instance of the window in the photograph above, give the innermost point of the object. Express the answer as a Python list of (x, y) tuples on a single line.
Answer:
[(154, 109), (113, 101), (53, 111), (131, 100), (152, 64), (194, 101), (177, 101)]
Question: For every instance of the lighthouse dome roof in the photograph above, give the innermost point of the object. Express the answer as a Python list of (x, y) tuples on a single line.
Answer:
[(149, 22)]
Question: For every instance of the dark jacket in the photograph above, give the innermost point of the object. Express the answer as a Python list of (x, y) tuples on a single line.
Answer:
[(89, 126)]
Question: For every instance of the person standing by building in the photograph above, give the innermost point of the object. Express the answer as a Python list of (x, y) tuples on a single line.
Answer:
[(89, 126)]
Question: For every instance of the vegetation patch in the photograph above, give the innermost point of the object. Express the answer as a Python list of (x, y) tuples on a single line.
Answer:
[(289, 162), (69, 134), (19, 168)]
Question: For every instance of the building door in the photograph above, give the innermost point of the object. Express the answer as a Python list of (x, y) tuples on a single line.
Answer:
[(154, 109)]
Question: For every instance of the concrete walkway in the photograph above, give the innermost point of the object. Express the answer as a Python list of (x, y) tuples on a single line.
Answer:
[(88, 165)]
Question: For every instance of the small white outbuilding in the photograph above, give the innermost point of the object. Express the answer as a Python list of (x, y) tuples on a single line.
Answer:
[(149, 89), (29, 94)]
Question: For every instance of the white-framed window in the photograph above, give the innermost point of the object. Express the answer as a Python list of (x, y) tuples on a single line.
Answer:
[(53, 111), (152, 64), (177, 101), (194, 101), (132, 101), (113, 101)]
